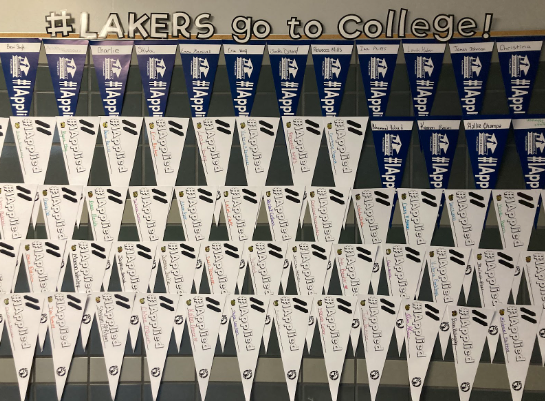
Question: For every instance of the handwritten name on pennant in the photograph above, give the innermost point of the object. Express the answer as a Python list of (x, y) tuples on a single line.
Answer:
[(419, 210), (16, 204), (283, 206)]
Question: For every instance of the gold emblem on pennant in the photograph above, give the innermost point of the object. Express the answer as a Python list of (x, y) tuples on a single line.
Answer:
[(329, 125), (479, 256), (181, 194), (73, 247), (199, 125), (17, 125), (407, 307), (294, 249), (362, 303), (188, 302), (97, 300), (268, 194), (207, 249), (431, 254), (339, 251), (498, 197), (90, 194), (288, 124), (163, 249), (242, 125), (6, 301), (319, 302), (275, 303), (233, 302), (142, 301), (119, 249), (27, 247), (403, 196), (388, 251), (44, 192), (135, 194), (251, 248), (358, 196), (63, 124), (451, 197), (151, 125), (454, 313), (528, 259), (105, 124), (226, 194), (50, 299), (312, 194), (502, 312)]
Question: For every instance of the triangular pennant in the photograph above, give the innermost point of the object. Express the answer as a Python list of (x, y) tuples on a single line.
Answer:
[(519, 62), (486, 140), (331, 64), (534, 269), (66, 59), (283, 206), (60, 205), (530, 141), (241, 206), (424, 58), (151, 206), (200, 62), (120, 137), (467, 211), (196, 206), (519, 326), (292, 312), (16, 204), (404, 266), (438, 139), (248, 318), (422, 320), (19, 59), (23, 313), (166, 137), (65, 312), (113, 312), (157, 314), (468, 327), (243, 62), (392, 142), (495, 272), (378, 314), (112, 59), (156, 62), (471, 59), (257, 137), (377, 59), (327, 209), (419, 211)]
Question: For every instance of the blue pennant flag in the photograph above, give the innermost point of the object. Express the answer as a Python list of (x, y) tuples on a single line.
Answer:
[(112, 59), (424, 58), (438, 139), (486, 140), (471, 62), (331, 63), (243, 62), (392, 139), (519, 61), (288, 65), (530, 140), (156, 62), (377, 62), (19, 59), (200, 63), (66, 59)]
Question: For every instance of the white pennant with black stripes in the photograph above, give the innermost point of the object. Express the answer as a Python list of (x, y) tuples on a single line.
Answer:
[(378, 315), (447, 269), (23, 313), (113, 320), (335, 316), (468, 328), (10, 257), (61, 205), (257, 137), (534, 268), (355, 264), (495, 271), (16, 205), (404, 266), (419, 210), (64, 313), (283, 205), (196, 206), (4, 122), (241, 207), (120, 136), (166, 137)]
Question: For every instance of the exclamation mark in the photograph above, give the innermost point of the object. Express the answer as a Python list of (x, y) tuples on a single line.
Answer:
[(487, 25)]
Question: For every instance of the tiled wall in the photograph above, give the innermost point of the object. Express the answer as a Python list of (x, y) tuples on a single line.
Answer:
[(87, 379)]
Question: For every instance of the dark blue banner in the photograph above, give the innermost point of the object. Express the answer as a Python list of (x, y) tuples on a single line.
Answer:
[(156, 62), (530, 140), (243, 64), (66, 59), (112, 59), (424, 58), (486, 140), (519, 61), (471, 63), (19, 59), (377, 62), (288, 65), (392, 142), (200, 63)]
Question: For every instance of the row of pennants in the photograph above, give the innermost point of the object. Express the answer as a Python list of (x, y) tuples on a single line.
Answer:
[(518, 57)]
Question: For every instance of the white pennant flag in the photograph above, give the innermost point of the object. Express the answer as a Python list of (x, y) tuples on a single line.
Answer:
[(447, 269), (166, 137), (120, 136), (404, 266), (335, 316), (4, 122), (78, 137), (113, 312), (89, 260), (248, 316), (419, 210), (519, 326), (196, 206), (310, 262), (257, 137), (422, 320), (534, 269), (495, 271), (203, 315), (23, 313), (292, 313), (328, 207), (266, 262), (378, 315), (61, 205), (283, 206), (16, 205), (241, 207), (64, 311), (157, 313), (355, 264), (344, 137), (468, 327)]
